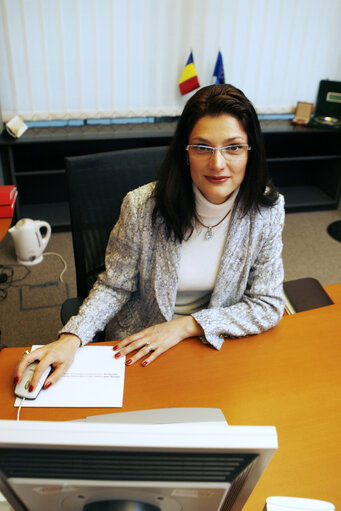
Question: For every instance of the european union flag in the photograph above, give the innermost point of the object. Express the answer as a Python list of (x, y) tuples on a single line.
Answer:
[(218, 73)]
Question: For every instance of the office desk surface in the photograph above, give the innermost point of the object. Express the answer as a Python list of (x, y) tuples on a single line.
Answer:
[(288, 377), (334, 292)]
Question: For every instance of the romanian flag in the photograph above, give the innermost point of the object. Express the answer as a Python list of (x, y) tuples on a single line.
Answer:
[(218, 73), (189, 79)]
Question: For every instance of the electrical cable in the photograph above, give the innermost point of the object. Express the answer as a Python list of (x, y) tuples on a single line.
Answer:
[(7, 281), (64, 262), (18, 412), (7, 272)]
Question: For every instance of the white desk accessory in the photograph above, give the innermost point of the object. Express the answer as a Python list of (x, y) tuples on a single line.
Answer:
[(297, 504), (16, 126)]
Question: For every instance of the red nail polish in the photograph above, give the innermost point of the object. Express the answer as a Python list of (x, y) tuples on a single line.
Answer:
[(47, 384), (128, 362), (144, 363), (118, 355), (30, 388), (15, 380), (116, 347)]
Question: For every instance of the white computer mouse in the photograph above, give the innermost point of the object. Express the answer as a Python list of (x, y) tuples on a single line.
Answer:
[(297, 504), (21, 389)]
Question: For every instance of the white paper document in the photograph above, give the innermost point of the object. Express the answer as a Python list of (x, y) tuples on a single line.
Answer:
[(95, 379)]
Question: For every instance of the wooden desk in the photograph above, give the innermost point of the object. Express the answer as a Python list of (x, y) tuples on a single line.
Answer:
[(288, 377), (4, 226)]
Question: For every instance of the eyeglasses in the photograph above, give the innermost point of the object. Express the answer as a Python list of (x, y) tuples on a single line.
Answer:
[(229, 152)]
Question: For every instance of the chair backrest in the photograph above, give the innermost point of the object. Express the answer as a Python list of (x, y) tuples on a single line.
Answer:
[(97, 184)]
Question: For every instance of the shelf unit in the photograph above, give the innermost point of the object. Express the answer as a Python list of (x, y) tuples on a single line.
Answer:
[(305, 163), (35, 163)]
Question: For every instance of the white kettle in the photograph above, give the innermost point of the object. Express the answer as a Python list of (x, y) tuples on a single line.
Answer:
[(29, 242)]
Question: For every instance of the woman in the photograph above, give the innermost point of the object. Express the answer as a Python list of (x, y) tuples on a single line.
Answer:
[(196, 254)]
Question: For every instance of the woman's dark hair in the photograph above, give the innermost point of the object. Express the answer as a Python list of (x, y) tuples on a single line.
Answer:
[(173, 193)]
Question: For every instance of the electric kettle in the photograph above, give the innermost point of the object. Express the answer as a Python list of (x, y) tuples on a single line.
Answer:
[(29, 240)]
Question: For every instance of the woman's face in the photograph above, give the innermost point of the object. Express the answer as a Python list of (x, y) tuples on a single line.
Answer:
[(215, 176)]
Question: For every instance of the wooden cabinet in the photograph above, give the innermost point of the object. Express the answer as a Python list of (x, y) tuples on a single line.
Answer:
[(305, 163)]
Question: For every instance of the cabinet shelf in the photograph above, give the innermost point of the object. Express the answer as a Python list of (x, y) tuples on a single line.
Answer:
[(304, 163), (55, 213), (309, 198), (305, 158), (40, 172)]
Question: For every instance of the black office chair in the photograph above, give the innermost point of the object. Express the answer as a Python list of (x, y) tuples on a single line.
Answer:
[(97, 184)]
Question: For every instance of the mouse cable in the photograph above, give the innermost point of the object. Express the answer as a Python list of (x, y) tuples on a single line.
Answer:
[(63, 260), (21, 403)]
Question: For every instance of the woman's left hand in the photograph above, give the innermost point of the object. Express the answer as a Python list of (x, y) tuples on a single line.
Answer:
[(157, 339)]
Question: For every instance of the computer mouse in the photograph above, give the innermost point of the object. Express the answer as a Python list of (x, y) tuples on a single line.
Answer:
[(21, 389)]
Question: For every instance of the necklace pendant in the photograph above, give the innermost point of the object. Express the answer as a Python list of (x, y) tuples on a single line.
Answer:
[(209, 233)]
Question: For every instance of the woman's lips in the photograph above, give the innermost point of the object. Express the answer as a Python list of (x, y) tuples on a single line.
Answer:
[(217, 179)]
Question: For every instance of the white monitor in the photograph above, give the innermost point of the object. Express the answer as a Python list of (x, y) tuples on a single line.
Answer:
[(70, 466)]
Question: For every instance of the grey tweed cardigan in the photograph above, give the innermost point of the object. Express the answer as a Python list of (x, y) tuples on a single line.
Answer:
[(139, 286)]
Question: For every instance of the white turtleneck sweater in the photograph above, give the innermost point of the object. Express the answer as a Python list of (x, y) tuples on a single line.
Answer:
[(200, 257)]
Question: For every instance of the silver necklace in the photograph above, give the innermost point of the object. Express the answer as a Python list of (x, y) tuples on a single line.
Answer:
[(209, 233)]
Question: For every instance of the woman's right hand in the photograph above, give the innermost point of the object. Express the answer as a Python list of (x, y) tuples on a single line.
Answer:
[(58, 354)]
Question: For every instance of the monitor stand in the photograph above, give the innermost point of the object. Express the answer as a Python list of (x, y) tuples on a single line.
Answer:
[(180, 415), (120, 505)]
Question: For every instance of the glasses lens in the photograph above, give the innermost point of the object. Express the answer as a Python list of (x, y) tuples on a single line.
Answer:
[(200, 151), (233, 150)]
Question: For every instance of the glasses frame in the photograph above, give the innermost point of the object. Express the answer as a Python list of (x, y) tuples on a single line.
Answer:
[(214, 149)]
